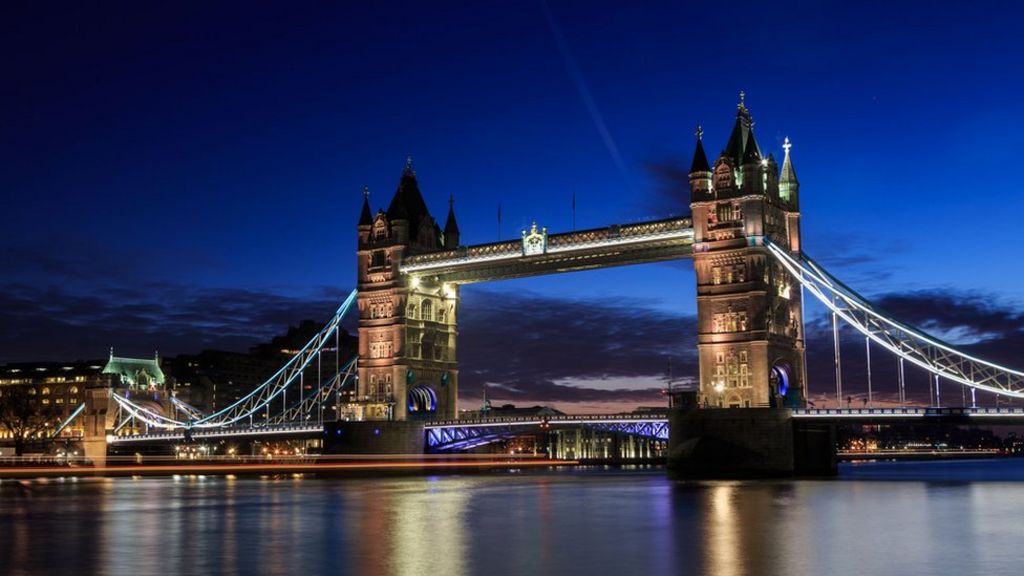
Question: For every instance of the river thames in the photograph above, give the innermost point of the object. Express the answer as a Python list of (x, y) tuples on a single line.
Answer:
[(876, 518)]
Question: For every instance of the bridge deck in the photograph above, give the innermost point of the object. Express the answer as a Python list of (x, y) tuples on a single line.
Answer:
[(655, 241)]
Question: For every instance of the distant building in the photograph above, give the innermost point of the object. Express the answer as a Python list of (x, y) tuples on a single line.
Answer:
[(215, 379), (60, 387)]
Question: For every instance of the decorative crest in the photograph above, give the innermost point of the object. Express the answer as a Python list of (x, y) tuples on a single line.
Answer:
[(786, 145), (535, 241), (699, 133)]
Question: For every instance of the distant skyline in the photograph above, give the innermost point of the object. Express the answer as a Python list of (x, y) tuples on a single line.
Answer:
[(180, 177)]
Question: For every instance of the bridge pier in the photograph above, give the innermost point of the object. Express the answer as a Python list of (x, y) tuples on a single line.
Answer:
[(96, 423), (374, 437), (747, 443)]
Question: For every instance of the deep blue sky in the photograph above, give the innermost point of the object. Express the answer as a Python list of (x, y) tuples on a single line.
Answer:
[(181, 175)]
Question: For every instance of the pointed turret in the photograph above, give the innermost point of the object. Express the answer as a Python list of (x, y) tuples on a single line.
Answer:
[(407, 203), (700, 172), (737, 146), (700, 159), (366, 217), (752, 152), (451, 227), (789, 187)]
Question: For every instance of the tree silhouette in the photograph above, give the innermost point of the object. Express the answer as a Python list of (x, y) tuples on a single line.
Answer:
[(23, 415)]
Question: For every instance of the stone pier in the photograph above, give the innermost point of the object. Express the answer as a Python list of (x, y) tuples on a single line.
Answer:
[(747, 443)]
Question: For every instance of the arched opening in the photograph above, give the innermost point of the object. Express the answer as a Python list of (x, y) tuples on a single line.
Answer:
[(780, 386), (421, 401)]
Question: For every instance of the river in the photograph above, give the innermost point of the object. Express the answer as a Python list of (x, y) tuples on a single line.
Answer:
[(958, 517)]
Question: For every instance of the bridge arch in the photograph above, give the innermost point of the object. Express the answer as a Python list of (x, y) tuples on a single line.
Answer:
[(421, 401)]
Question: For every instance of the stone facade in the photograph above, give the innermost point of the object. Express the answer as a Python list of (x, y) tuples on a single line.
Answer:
[(407, 324), (750, 323)]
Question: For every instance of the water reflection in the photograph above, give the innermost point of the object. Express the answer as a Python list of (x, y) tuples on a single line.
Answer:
[(551, 523)]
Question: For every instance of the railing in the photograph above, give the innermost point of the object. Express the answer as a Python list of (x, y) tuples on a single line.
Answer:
[(615, 235), (256, 430), (552, 419), (903, 412)]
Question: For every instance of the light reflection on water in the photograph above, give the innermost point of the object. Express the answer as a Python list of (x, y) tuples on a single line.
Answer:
[(876, 519)]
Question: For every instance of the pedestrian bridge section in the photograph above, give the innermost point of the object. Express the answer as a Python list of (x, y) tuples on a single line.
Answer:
[(540, 253)]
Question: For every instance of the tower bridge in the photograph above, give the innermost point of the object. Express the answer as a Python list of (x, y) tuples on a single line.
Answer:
[(751, 274)]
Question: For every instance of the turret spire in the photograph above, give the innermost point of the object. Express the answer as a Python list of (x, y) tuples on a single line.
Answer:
[(451, 227), (365, 217), (751, 152), (737, 146), (700, 159), (789, 186), (788, 174)]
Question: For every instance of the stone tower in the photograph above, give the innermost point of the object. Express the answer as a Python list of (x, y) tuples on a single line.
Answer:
[(407, 364), (749, 314)]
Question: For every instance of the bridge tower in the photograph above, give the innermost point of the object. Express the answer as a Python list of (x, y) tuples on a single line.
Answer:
[(750, 321), (407, 325)]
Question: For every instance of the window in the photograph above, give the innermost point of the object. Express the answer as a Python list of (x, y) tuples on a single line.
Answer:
[(73, 390), (46, 391), (378, 259), (716, 275), (428, 310), (72, 400), (58, 400)]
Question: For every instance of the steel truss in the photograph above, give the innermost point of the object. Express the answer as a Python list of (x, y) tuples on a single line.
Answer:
[(454, 436)]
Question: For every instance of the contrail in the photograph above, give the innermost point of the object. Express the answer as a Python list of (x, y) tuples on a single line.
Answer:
[(581, 85)]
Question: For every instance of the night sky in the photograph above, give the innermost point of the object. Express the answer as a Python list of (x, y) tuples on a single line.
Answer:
[(180, 176)]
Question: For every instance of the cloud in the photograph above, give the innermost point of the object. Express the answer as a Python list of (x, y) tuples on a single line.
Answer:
[(669, 192), (526, 347), (974, 323), (51, 323)]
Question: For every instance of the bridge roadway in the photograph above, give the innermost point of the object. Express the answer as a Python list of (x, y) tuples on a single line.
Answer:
[(461, 434)]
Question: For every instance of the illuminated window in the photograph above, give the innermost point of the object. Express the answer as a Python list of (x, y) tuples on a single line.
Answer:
[(58, 400), (73, 390), (716, 275), (72, 400), (46, 400), (46, 390)]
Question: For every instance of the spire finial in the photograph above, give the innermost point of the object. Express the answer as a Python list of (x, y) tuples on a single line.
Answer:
[(408, 162), (699, 133), (366, 192), (743, 96), (451, 201), (111, 351), (786, 145)]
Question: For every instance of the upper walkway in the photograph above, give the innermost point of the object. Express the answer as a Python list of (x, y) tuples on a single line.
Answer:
[(541, 253)]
